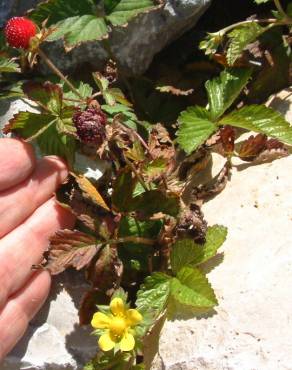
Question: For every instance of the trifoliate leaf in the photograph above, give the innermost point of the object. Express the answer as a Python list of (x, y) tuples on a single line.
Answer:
[(260, 119), (187, 252), (192, 288), (195, 128), (223, 90)]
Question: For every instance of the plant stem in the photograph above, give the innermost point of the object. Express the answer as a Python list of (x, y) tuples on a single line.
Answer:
[(139, 177), (52, 66), (272, 21), (131, 239), (280, 8)]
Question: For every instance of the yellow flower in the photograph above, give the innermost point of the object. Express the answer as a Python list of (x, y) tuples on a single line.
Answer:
[(117, 326)]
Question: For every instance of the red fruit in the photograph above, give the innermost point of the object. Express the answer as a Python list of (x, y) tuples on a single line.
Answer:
[(19, 31)]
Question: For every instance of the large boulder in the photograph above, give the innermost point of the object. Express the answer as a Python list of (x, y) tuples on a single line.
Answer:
[(134, 46)]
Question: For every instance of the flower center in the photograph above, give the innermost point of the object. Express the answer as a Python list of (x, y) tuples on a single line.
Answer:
[(118, 326)]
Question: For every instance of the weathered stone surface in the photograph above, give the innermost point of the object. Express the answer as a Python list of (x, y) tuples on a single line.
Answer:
[(54, 339), (252, 327), (135, 45)]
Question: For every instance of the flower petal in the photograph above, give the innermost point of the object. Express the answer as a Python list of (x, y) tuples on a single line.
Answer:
[(106, 342), (100, 321), (127, 343), (117, 307), (133, 317)]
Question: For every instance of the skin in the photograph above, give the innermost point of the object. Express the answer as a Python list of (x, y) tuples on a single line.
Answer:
[(29, 216)]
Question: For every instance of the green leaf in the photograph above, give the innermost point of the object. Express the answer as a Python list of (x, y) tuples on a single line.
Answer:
[(241, 37), (155, 201), (82, 21), (59, 10), (195, 128), (192, 288), (126, 114), (84, 90), (223, 90), (42, 127), (123, 190), (187, 252), (135, 256), (128, 9), (154, 293), (155, 168), (77, 30), (260, 119), (8, 66), (48, 95)]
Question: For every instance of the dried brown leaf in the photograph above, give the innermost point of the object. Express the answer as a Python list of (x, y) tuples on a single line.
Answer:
[(70, 249), (214, 187), (106, 271), (89, 191)]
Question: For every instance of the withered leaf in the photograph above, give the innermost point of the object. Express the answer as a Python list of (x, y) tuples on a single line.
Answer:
[(214, 187), (192, 224), (70, 249), (106, 271), (174, 90), (252, 147), (227, 135), (160, 144), (89, 191)]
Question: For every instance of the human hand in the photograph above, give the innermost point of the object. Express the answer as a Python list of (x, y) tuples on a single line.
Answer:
[(29, 216)]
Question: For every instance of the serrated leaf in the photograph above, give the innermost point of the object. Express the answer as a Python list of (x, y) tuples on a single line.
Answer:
[(260, 119), (51, 142), (192, 288), (128, 9), (187, 252), (84, 90), (70, 249), (195, 128), (154, 293), (77, 30), (125, 112), (48, 95), (8, 66), (223, 90), (58, 10), (90, 191), (240, 38)]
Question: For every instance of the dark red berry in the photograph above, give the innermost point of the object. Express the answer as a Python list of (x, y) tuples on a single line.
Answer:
[(90, 125), (18, 32)]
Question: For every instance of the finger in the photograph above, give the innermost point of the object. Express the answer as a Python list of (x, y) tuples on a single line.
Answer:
[(24, 246), (17, 162), (19, 202), (20, 309)]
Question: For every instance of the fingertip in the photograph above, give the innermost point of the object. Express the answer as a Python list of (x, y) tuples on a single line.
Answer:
[(17, 162)]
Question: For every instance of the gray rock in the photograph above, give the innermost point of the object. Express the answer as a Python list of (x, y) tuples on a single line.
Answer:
[(134, 46), (8, 8)]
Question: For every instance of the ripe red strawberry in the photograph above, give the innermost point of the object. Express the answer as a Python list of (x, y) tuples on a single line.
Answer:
[(19, 31)]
